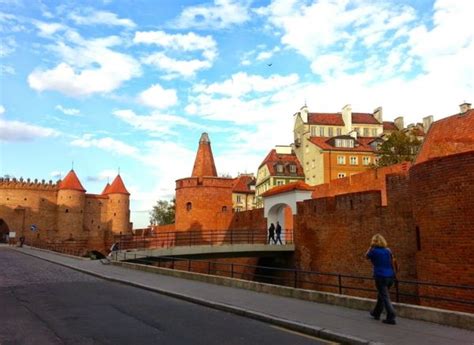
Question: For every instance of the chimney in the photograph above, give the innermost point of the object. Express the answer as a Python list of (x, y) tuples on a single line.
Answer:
[(427, 121), (399, 123), (378, 114), (283, 149), (304, 113), (353, 134), (347, 117), (464, 107)]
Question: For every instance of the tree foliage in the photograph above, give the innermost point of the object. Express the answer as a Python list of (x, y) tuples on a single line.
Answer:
[(163, 212), (399, 147)]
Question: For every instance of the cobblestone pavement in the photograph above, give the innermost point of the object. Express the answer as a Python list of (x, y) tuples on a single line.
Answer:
[(44, 303)]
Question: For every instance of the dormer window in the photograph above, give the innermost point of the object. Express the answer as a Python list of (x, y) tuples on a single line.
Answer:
[(279, 168), (292, 168), (344, 143)]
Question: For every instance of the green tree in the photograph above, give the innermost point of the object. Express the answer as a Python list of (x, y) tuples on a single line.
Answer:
[(163, 212), (399, 147)]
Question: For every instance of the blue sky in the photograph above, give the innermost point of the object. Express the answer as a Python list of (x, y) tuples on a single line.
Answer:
[(111, 83)]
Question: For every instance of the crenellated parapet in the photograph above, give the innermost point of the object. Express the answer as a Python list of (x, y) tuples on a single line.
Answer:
[(21, 183)]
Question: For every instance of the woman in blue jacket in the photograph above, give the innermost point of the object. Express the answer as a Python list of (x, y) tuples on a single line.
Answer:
[(384, 275)]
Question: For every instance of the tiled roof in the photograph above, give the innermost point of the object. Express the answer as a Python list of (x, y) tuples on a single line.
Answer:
[(298, 185), (334, 119), (204, 162), (273, 158), (364, 118), (242, 183), (107, 186), (71, 181), (117, 187), (389, 126), (448, 136), (325, 144)]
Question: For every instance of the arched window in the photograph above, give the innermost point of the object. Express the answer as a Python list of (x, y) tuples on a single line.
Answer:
[(189, 206), (224, 208)]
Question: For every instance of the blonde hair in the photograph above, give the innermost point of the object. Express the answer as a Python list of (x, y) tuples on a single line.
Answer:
[(378, 241)]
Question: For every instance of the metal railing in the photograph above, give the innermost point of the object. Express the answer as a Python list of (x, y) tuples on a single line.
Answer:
[(76, 249), (198, 238), (406, 291)]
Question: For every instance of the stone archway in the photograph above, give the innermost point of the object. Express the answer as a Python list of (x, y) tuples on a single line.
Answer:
[(4, 230)]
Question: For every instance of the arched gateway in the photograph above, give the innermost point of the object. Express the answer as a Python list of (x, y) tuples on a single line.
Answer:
[(4, 230), (280, 204)]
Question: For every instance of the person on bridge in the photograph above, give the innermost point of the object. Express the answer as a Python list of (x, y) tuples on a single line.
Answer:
[(278, 233), (271, 234), (384, 276), (114, 248)]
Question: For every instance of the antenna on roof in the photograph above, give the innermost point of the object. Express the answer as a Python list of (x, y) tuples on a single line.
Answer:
[(119, 170), (305, 102), (72, 165)]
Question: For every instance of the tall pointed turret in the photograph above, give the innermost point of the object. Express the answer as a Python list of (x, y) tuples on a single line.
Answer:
[(71, 181), (117, 186), (204, 163)]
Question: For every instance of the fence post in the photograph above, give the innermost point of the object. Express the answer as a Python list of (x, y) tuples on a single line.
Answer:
[(232, 270), (172, 264), (339, 283), (189, 265), (295, 285), (208, 267), (231, 236)]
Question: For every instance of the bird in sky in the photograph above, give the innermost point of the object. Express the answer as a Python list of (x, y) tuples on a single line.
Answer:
[(269, 64)]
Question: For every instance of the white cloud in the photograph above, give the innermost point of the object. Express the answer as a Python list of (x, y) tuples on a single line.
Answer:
[(178, 43), (174, 67), (241, 84), (48, 29), (68, 111), (106, 143), (104, 175), (2, 109), (221, 14), (155, 124), (21, 131), (89, 67), (6, 69), (94, 17), (267, 54), (8, 46), (157, 97)]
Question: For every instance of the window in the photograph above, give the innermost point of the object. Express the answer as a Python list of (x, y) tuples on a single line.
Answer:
[(189, 206), (239, 198), (280, 182), (339, 131), (224, 208), (314, 131), (341, 160), (344, 143), (341, 175), (330, 131), (279, 168), (374, 132), (321, 131), (353, 160), (238, 209), (293, 168), (366, 160), (366, 132), (313, 164)]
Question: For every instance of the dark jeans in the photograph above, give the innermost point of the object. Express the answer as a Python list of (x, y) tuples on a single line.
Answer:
[(383, 284), (271, 238), (278, 239)]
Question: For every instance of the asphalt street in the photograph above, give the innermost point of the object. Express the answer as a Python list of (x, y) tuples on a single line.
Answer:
[(44, 303)]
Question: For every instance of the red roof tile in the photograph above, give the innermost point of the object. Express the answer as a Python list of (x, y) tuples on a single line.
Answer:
[(71, 181), (298, 185), (273, 158), (448, 136), (325, 144), (204, 162), (242, 183), (107, 186), (389, 126), (117, 187), (364, 118), (334, 119)]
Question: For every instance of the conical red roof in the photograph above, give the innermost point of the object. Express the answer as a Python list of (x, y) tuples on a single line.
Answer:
[(204, 163), (117, 187), (107, 186), (71, 181)]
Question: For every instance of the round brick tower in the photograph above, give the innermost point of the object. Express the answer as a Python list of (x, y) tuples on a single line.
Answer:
[(118, 206), (71, 201), (204, 200)]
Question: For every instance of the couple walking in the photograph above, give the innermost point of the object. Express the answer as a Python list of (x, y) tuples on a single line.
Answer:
[(271, 233)]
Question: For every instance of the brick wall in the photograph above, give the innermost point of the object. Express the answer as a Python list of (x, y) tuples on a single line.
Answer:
[(443, 201)]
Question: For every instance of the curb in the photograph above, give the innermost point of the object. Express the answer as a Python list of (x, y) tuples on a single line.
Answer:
[(323, 333)]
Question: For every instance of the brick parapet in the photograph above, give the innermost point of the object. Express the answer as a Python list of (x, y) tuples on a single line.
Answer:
[(7, 183)]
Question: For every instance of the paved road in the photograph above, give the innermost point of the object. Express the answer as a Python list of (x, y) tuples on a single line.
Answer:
[(44, 303)]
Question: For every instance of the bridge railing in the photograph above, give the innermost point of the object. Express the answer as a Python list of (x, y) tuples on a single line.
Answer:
[(448, 296), (199, 238), (74, 248)]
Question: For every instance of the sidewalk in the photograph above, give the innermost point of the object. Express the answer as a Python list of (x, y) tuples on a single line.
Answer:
[(327, 321)]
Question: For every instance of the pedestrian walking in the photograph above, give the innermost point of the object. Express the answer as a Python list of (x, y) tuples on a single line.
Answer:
[(271, 234), (384, 276), (22, 241), (278, 233), (114, 248)]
